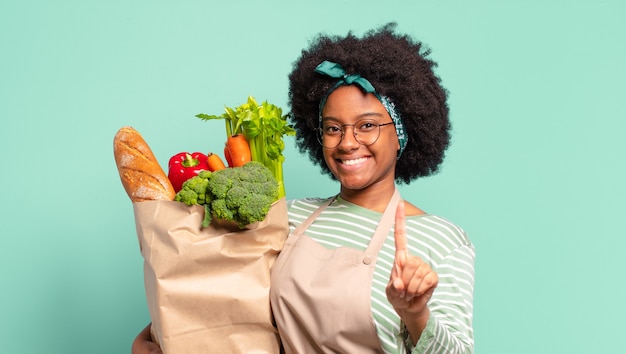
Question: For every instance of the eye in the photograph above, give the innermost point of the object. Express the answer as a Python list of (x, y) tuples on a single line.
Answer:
[(331, 129), (366, 126)]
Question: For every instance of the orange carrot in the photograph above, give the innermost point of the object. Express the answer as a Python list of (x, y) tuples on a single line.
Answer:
[(227, 156), (214, 162), (239, 150)]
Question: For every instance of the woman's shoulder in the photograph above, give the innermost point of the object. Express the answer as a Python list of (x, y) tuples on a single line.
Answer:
[(300, 209), (439, 230), (308, 202)]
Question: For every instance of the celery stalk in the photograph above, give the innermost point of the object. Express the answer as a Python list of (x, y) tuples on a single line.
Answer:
[(264, 127)]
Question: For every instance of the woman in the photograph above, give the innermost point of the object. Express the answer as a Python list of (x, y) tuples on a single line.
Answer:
[(364, 271)]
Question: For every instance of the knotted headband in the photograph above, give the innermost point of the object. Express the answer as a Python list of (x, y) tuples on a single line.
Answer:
[(336, 71)]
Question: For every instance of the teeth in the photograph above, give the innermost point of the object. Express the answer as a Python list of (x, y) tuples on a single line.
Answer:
[(354, 162)]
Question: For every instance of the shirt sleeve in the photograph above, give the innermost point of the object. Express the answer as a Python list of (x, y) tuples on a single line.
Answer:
[(449, 327)]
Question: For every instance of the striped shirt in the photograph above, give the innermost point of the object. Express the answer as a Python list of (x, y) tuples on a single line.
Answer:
[(443, 245)]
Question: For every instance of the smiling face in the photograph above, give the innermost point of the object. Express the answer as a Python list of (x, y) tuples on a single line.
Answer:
[(357, 167)]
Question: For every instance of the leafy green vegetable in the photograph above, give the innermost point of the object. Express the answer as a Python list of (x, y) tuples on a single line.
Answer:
[(263, 126)]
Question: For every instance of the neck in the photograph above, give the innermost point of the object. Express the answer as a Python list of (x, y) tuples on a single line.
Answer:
[(375, 197)]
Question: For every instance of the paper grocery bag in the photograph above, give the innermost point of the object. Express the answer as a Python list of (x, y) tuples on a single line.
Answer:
[(208, 289)]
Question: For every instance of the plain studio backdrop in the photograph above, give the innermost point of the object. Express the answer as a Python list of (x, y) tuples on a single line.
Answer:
[(535, 173)]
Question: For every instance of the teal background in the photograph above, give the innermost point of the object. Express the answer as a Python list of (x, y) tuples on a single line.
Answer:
[(535, 173)]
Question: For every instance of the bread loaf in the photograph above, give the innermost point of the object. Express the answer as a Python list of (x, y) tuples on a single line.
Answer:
[(140, 172)]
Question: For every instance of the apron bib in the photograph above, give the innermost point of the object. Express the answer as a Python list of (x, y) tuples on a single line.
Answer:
[(321, 298)]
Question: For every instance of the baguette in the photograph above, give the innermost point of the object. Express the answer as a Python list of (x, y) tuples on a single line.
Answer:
[(140, 172)]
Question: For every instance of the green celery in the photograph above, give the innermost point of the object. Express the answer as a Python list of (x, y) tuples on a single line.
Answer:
[(264, 127)]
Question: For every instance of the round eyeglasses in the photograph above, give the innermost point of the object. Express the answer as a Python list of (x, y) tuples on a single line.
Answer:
[(366, 132)]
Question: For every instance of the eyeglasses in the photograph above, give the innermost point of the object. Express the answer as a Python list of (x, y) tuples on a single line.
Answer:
[(366, 132)]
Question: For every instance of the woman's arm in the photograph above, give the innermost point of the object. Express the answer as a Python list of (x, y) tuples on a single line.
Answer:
[(449, 327), (143, 343)]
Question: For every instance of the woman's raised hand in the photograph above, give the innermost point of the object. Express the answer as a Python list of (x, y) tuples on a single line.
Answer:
[(412, 281)]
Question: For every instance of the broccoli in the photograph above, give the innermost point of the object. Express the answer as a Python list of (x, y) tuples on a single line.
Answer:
[(243, 195), (194, 190), (220, 211)]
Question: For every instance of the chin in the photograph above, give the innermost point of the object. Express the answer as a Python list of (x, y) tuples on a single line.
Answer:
[(353, 185)]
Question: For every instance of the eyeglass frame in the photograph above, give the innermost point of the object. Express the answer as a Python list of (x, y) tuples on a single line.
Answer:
[(320, 132)]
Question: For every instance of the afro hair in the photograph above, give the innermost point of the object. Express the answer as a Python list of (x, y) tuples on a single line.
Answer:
[(398, 67)]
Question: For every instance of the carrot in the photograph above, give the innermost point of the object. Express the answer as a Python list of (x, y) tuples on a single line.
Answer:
[(214, 162), (227, 156), (239, 150)]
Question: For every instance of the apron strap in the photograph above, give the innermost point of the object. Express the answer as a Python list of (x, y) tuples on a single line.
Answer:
[(306, 223), (382, 230)]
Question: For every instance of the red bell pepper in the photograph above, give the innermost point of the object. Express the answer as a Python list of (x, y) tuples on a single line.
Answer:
[(184, 165)]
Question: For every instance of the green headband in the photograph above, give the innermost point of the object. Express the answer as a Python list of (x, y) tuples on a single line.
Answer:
[(336, 71)]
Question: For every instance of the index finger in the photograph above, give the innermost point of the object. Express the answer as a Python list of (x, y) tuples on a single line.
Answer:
[(399, 233)]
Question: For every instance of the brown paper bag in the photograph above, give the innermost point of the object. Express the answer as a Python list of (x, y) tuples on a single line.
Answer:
[(208, 290)]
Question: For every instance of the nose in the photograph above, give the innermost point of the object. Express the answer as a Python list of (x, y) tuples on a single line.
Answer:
[(348, 139)]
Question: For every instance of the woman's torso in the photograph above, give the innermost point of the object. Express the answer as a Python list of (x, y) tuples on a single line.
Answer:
[(345, 225)]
